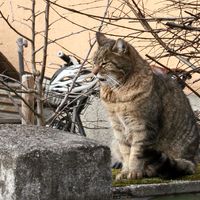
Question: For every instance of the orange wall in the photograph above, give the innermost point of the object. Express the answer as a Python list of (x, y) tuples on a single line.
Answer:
[(77, 43)]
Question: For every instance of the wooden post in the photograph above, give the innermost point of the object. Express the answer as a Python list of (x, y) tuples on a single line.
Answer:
[(28, 82)]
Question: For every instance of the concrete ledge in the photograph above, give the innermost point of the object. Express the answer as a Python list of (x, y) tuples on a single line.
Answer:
[(146, 190), (38, 163)]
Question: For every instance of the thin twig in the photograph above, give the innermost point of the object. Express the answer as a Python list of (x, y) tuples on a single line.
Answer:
[(180, 26), (14, 29), (179, 79)]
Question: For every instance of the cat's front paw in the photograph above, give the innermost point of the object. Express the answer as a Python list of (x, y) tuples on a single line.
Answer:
[(135, 174), (122, 175)]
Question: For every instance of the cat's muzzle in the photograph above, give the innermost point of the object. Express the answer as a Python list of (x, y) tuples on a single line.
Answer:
[(101, 78)]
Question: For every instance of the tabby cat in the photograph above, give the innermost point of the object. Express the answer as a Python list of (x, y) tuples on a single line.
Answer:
[(153, 123)]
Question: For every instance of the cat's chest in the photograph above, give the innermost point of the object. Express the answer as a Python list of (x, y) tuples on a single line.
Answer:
[(119, 107), (122, 126), (123, 103)]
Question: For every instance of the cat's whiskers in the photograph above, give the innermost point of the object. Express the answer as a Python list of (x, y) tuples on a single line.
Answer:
[(114, 82)]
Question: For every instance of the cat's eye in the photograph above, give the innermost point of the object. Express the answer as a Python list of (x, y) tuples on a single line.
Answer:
[(104, 63)]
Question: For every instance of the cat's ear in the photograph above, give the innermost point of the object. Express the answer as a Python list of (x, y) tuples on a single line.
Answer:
[(101, 38), (120, 46)]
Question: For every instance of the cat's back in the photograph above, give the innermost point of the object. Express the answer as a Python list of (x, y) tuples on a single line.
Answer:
[(179, 134), (172, 97)]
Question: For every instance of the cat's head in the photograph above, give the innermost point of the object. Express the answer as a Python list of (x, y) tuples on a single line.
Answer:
[(112, 60)]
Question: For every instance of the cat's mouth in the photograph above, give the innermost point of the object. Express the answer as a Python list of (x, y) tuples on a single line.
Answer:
[(101, 78)]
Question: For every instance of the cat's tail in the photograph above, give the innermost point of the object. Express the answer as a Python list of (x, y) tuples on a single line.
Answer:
[(167, 167)]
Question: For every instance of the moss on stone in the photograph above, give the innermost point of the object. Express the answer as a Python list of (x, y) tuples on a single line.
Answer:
[(125, 182)]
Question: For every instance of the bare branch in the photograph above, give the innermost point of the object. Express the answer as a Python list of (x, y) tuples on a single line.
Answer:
[(46, 35), (173, 25), (105, 13), (146, 26), (39, 80), (33, 60), (174, 75)]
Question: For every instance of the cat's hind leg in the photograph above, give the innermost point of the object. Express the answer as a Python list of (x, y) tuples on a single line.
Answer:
[(173, 168), (160, 164)]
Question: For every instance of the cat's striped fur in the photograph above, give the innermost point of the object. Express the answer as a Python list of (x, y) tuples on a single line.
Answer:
[(153, 123)]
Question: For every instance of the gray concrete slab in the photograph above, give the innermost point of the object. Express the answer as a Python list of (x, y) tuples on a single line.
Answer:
[(38, 163), (149, 190)]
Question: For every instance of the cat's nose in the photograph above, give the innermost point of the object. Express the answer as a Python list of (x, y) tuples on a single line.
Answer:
[(95, 70)]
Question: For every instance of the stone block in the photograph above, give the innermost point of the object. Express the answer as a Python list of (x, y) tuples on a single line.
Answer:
[(38, 163)]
